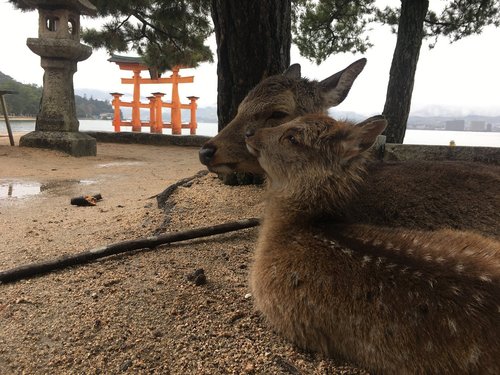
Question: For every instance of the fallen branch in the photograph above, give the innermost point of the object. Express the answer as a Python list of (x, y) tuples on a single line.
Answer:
[(39, 268), (162, 197)]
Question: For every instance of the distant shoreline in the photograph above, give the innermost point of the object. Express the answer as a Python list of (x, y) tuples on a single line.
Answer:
[(24, 118), (18, 118)]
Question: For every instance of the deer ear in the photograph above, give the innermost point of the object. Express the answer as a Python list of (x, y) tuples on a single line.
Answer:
[(293, 71), (371, 128), (335, 88)]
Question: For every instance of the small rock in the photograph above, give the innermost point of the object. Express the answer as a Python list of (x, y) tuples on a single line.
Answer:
[(286, 365), (125, 365), (200, 280), (111, 282), (236, 316), (249, 368), (157, 333), (248, 295), (198, 277), (22, 300)]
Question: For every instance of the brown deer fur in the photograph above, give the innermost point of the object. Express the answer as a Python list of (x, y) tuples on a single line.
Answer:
[(395, 301), (416, 194)]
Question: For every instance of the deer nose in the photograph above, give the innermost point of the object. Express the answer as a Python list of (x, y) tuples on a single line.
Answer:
[(206, 154)]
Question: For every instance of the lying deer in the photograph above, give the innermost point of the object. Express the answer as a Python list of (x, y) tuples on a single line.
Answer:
[(418, 194), (392, 301)]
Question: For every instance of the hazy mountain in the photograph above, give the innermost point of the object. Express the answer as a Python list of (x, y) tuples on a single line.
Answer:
[(95, 94), (92, 102), (442, 119), (432, 117), (453, 111), (27, 100)]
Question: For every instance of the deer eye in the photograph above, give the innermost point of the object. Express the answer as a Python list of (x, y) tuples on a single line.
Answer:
[(278, 115), (290, 138)]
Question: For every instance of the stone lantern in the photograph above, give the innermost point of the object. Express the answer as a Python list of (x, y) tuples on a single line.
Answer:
[(58, 45)]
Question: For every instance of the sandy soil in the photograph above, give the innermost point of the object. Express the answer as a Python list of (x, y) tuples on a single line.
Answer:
[(140, 312)]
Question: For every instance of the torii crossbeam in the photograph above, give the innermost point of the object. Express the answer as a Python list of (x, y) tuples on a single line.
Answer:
[(136, 65)]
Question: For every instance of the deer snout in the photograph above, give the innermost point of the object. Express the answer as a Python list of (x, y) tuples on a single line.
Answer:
[(206, 153)]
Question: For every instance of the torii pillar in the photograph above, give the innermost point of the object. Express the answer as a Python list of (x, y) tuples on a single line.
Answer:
[(176, 101)]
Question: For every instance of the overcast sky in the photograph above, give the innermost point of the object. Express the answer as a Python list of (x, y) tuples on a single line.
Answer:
[(463, 76)]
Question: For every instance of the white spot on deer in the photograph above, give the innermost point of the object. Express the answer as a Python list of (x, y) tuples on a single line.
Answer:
[(404, 270), (366, 259), (414, 295), (410, 251), (455, 290), (389, 246), (452, 325), (379, 261), (347, 252), (440, 259), (429, 346), (377, 243), (415, 241), (459, 267), (479, 298), (474, 354), (485, 278), (427, 257), (391, 266), (417, 274)]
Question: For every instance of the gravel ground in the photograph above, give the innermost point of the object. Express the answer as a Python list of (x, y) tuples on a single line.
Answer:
[(147, 311)]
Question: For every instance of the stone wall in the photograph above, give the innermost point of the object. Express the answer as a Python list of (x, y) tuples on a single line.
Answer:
[(489, 155), (388, 151)]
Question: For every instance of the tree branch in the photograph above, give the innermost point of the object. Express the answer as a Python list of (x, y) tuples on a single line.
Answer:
[(35, 269), (122, 23), (167, 35)]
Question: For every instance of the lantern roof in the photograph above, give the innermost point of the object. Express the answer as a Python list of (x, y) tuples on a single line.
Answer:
[(84, 7)]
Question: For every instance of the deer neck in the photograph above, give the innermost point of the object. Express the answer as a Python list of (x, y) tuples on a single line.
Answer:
[(309, 203), (310, 198)]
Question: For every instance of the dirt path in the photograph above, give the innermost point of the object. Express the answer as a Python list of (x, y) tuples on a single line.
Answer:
[(42, 182), (136, 313)]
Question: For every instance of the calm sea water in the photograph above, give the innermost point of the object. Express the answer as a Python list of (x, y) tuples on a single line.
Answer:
[(422, 137)]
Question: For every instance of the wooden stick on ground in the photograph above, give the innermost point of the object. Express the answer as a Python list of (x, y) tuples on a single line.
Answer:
[(39, 268)]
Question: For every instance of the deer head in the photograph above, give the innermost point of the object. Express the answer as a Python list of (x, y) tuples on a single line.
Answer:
[(274, 101), (315, 160)]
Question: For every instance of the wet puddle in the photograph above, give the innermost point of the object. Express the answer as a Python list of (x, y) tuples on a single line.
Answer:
[(16, 189), (120, 164), (19, 189)]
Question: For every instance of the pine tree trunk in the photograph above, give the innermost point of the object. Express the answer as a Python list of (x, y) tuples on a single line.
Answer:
[(253, 42), (403, 68)]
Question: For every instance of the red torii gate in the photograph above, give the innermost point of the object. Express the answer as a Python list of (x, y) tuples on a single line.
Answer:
[(155, 104)]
